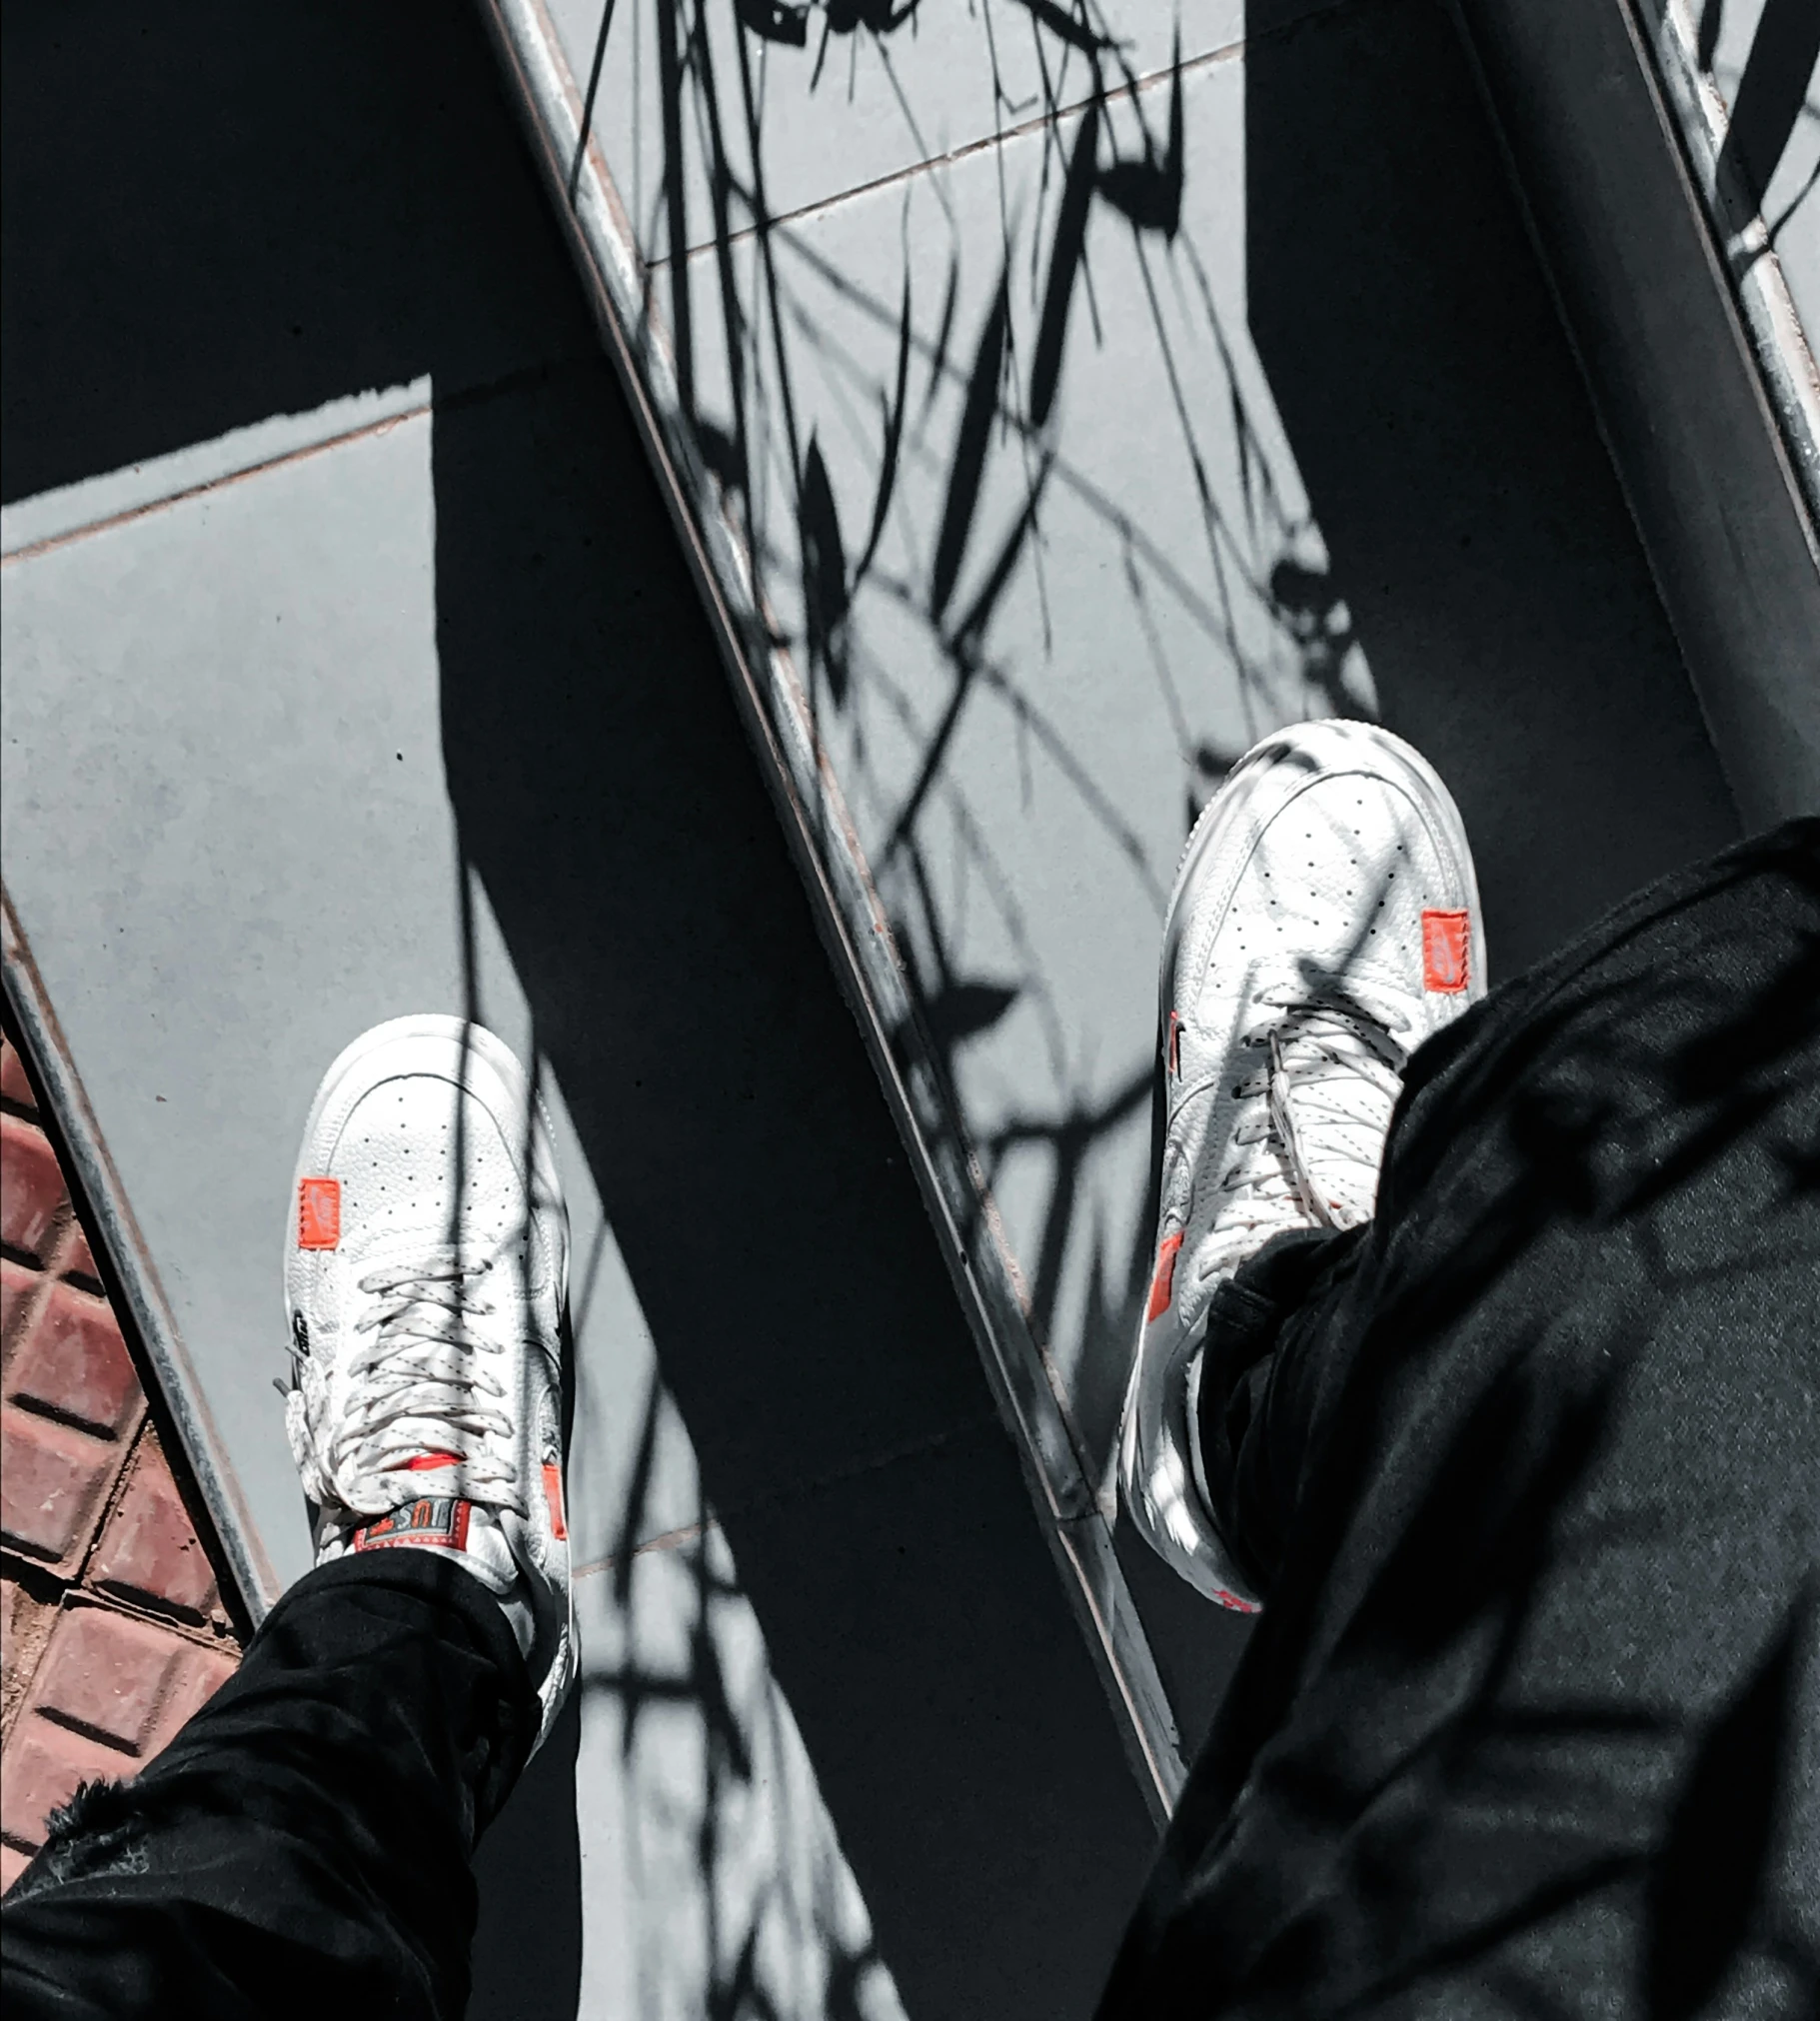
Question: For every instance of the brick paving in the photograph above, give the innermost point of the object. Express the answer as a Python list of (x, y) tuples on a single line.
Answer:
[(112, 1626)]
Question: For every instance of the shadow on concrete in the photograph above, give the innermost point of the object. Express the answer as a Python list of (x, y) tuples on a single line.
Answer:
[(247, 221), (207, 225), (1476, 527), (609, 800), (243, 223)]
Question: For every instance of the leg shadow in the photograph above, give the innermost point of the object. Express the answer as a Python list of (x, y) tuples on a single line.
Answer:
[(1452, 459), (527, 1944), (805, 1325)]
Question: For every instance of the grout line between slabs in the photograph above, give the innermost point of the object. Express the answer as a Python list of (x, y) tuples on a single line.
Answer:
[(341, 438), (1228, 52), (107, 521)]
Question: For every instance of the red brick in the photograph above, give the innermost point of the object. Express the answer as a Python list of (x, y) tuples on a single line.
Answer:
[(13, 1863), (106, 1675), (150, 1552), (78, 1261), (200, 1673), (53, 1480), (13, 1083), (31, 1187), (44, 1763), (17, 1284), (75, 1365)]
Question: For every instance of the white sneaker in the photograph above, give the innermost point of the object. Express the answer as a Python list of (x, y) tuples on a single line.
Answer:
[(1324, 921), (426, 1267)]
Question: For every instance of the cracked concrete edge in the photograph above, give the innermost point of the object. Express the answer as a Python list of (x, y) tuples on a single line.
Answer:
[(848, 911)]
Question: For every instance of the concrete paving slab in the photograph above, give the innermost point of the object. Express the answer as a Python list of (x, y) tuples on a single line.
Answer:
[(711, 1867), (1020, 802), (192, 692), (716, 1838), (1042, 476), (425, 714), (780, 127)]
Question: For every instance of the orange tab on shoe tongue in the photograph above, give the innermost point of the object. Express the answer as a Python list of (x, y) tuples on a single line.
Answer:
[(425, 1461)]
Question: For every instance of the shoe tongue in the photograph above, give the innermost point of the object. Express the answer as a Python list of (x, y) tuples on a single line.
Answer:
[(1326, 1148), (1226, 1248), (489, 1554), (443, 1523)]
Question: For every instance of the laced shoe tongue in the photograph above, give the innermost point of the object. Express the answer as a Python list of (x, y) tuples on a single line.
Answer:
[(1334, 1077), (425, 1394)]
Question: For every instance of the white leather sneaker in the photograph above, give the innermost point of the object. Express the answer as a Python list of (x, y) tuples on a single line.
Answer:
[(426, 1267), (1324, 921)]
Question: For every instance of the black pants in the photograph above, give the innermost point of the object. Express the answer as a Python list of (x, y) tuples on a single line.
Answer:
[(1529, 1471), (303, 1845)]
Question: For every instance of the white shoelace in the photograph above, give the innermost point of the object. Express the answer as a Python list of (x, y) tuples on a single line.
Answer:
[(1309, 1139), (422, 1369)]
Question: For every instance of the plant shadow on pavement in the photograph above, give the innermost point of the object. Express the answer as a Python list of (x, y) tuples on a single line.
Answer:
[(751, 1174), (337, 202), (250, 223)]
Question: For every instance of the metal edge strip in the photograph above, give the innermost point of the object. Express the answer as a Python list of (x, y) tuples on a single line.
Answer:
[(848, 914), (1740, 235), (129, 1263)]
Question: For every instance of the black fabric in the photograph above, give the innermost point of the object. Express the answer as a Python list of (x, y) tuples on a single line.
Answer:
[(302, 1846), (1528, 1472)]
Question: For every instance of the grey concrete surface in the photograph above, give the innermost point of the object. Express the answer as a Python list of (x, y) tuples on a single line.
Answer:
[(350, 666), (1212, 382), (1057, 503)]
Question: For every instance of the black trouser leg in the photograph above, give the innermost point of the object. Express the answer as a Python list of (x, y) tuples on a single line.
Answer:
[(1529, 1474), (303, 1845)]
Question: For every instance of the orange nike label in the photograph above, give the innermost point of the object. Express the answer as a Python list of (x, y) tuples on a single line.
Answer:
[(1162, 1285), (318, 1214), (1444, 943), (553, 1494)]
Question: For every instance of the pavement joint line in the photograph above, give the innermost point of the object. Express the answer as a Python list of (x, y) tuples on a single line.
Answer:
[(1227, 52), (856, 1470), (666, 1540), (232, 471), (144, 507)]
